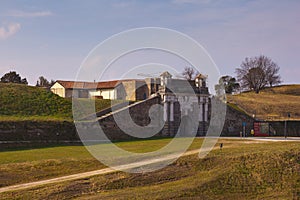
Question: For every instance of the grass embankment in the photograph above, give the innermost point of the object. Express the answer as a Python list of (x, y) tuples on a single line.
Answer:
[(23, 165), (271, 103), (22, 102), (241, 170)]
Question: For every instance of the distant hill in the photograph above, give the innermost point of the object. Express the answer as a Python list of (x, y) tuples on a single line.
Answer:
[(271, 103), (22, 102)]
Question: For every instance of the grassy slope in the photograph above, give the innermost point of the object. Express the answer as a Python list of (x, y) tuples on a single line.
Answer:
[(271, 103), (242, 170), (21, 102), (26, 165)]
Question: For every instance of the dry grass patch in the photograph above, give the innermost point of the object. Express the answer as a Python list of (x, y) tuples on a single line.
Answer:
[(271, 103)]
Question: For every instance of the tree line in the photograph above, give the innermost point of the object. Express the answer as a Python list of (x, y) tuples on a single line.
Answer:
[(14, 77), (254, 73)]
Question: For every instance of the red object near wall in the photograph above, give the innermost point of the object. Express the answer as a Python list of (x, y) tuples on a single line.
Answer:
[(261, 129)]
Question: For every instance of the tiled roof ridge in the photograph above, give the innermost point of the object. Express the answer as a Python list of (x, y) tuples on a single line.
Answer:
[(91, 85)]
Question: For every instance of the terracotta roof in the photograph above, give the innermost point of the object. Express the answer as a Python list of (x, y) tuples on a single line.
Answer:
[(87, 85), (66, 84), (107, 84)]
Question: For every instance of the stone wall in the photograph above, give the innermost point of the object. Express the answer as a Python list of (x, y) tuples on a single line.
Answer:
[(142, 90), (37, 131), (139, 113), (126, 90), (66, 131), (113, 125), (234, 122), (43, 131)]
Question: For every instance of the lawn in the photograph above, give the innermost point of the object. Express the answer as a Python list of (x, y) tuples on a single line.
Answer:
[(20, 102), (243, 169), (26, 165), (271, 103)]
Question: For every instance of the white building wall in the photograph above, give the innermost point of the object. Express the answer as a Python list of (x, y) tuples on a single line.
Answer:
[(93, 93), (58, 89), (105, 93)]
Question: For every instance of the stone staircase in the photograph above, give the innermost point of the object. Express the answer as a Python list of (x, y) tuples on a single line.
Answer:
[(108, 111), (120, 107), (139, 114)]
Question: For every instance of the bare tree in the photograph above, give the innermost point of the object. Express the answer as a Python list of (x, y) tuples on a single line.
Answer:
[(189, 73), (257, 72), (273, 77)]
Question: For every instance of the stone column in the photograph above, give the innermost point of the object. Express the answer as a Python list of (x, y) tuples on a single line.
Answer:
[(165, 111), (171, 111), (206, 112), (200, 112)]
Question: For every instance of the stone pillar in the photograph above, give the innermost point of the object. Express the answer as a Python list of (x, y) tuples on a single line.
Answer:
[(206, 112), (172, 111), (165, 111), (200, 112)]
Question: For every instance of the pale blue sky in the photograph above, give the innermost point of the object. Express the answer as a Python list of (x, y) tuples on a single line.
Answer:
[(51, 38)]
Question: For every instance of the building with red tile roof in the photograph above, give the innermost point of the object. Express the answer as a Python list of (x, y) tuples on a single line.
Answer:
[(131, 89)]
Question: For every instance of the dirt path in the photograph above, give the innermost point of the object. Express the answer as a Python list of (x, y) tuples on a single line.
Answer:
[(92, 173), (109, 170)]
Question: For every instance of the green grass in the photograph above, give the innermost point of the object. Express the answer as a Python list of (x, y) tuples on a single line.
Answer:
[(22, 102), (30, 165), (22, 165), (271, 103), (241, 170)]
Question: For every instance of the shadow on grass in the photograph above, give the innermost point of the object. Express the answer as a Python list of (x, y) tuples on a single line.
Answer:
[(20, 146), (29, 145)]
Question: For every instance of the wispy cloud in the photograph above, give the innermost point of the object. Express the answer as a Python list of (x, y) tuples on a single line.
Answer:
[(9, 30), (19, 13)]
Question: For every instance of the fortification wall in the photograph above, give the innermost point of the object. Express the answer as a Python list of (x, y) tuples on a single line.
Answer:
[(37, 131), (234, 122), (56, 131)]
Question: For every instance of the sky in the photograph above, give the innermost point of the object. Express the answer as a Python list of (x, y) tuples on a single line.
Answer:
[(52, 38)]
